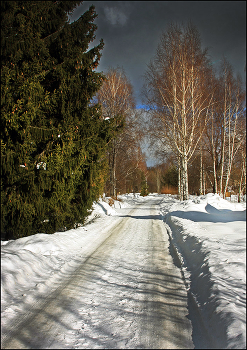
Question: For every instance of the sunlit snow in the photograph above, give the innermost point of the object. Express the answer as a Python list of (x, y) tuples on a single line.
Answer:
[(207, 234)]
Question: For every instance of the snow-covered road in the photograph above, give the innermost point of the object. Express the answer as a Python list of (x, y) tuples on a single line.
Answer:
[(123, 292)]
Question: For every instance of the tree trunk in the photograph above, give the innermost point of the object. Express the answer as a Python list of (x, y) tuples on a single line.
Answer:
[(223, 144), (204, 180), (243, 176), (158, 180), (180, 186), (114, 172), (201, 173), (112, 164), (185, 191), (215, 185)]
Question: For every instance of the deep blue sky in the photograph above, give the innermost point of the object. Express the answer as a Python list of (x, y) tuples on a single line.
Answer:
[(131, 31)]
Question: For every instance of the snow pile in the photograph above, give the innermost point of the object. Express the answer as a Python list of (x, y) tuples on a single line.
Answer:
[(100, 209), (209, 234), (107, 205), (130, 198)]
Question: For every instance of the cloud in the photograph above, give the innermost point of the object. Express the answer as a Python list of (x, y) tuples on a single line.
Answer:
[(115, 16)]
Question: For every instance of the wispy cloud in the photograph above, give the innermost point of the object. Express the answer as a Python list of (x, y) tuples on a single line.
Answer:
[(115, 16)]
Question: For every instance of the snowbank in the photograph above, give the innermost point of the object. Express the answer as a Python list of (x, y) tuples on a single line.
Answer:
[(35, 264), (209, 234), (106, 206)]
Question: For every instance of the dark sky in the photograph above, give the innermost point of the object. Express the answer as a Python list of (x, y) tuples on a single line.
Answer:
[(131, 31)]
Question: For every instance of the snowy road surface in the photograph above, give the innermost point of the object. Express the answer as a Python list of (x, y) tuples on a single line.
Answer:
[(127, 293)]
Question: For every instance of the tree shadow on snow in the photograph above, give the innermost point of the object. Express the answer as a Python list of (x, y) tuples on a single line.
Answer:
[(212, 215), (142, 217)]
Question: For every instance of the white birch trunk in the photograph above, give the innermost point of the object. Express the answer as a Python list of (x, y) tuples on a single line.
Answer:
[(180, 185), (201, 170), (214, 157), (185, 191), (223, 149), (204, 180)]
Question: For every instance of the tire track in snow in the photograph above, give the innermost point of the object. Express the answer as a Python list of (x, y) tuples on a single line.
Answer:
[(126, 293), (37, 307)]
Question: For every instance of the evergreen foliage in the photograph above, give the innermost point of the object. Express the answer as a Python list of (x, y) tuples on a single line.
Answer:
[(53, 142), (171, 177)]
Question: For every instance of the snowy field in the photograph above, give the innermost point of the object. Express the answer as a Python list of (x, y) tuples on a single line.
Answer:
[(208, 241)]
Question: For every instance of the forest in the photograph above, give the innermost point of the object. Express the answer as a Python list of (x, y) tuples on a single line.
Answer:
[(70, 134)]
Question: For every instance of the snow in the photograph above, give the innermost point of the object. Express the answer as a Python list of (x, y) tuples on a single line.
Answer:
[(207, 233)]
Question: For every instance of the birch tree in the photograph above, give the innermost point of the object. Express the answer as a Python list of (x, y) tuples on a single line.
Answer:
[(129, 156), (226, 133), (176, 92), (214, 133), (242, 181), (234, 135)]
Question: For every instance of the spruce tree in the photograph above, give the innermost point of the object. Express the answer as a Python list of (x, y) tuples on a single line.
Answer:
[(53, 141), (171, 177)]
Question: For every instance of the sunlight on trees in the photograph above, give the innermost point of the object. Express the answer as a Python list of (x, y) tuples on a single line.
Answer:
[(193, 113), (125, 156)]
